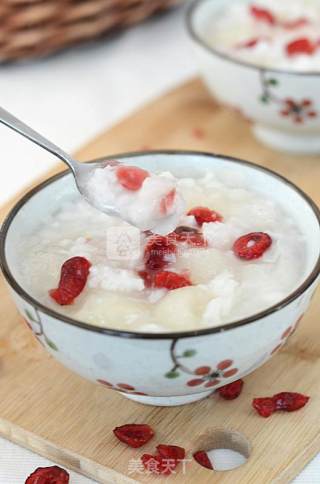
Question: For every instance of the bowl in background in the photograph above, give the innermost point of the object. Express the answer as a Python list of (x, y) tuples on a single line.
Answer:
[(284, 106), (166, 368)]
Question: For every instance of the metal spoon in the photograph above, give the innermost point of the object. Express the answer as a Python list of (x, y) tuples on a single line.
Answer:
[(81, 171)]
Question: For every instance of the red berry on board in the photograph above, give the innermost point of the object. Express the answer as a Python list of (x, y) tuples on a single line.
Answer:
[(264, 406), (287, 401), (189, 235), (232, 390), (290, 401), (135, 435), (73, 278), (171, 280), (48, 475), (165, 461), (300, 46), (159, 252), (167, 202), (262, 14), (202, 458), (205, 215), (252, 246), (131, 177)]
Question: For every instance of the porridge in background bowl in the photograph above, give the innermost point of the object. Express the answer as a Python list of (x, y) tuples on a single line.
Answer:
[(232, 253), (270, 33), (262, 58)]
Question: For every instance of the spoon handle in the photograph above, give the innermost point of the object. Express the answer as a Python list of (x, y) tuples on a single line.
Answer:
[(21, 128)]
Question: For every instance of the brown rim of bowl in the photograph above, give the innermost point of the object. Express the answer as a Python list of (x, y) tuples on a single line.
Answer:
[(195, 4), (155, 336)]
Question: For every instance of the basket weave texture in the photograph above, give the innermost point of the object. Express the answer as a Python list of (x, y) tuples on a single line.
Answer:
[(31, 28)]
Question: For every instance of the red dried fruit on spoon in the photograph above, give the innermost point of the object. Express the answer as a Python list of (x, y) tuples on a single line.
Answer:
[(131, 177), (205, 215), (232, 390), (73, 278), (202, 458), (48, 475), (134, 435), (252, 246)]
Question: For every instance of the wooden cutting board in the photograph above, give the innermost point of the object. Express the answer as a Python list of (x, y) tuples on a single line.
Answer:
[(46, 408)]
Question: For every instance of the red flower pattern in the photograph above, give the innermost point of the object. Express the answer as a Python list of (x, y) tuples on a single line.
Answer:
[(211, 377), (298, 111), (121, 387), (285, 335)]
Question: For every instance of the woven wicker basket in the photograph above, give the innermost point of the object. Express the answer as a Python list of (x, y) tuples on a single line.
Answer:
[(30, 28)]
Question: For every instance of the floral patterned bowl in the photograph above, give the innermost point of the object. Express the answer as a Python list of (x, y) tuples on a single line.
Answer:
[(284, 106), (167, 368)]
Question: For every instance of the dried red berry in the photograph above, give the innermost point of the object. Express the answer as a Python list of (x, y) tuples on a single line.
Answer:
[(48, 475), (205, 215), (262, 14), (131, 177), (171, 280), (135, 435), (189, 235), (287, 401), (248, 44), (73, 278), (148, 278), (300, 46), (264, 406), (202, 458), (252, 246), (167, 201), (159, 252), (295, 24), (165, 460), (290, 401), (232, 390)]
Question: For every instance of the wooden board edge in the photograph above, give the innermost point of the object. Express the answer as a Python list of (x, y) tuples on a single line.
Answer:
[(61, 456)]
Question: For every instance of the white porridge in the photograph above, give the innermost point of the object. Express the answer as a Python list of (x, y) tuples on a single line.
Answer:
[(234, 253), (269, 33)]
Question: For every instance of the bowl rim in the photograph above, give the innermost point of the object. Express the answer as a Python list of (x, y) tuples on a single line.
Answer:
[(307, 282), (189, 17)]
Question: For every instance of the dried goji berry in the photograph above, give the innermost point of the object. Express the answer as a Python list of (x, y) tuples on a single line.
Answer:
[(48, 475), (301, 46), (232, 390), (165, 460), (73, 278), (248, 44), (131, 177), (265, 406), (295, 24), (171, 280), (290, 401), (205, 215), (135, 435), (190, 235), (167, 201), (202, 458), (148, 278), (159, 252), (262, 14), (252, 246), (287, 401)]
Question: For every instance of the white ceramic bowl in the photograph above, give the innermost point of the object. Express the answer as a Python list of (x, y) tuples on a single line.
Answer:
[(168, 368), (283, 105)]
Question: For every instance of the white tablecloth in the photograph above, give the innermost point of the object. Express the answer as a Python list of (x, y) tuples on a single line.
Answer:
[(70, 98)]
